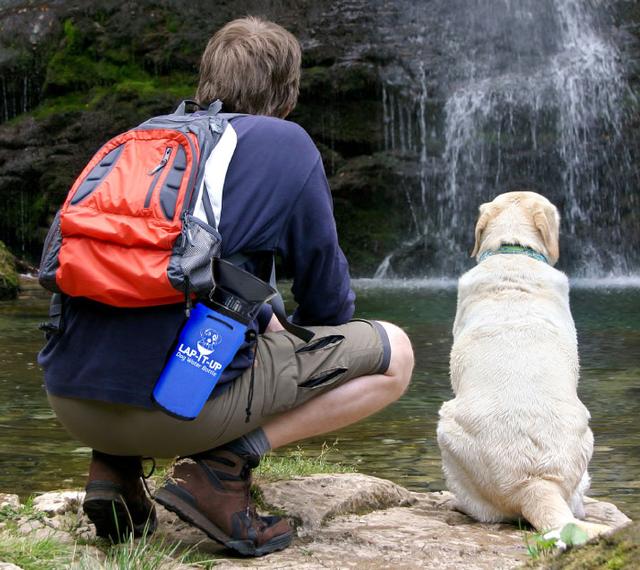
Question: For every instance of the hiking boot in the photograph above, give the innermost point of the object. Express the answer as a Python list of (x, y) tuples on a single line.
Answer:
[(211, 491), (115, 500)]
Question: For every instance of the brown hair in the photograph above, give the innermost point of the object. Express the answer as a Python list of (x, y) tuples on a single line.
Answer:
[(252, 66)]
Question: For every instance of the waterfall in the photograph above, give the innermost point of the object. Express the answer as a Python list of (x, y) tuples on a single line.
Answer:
[(532, 95), (19, 92)]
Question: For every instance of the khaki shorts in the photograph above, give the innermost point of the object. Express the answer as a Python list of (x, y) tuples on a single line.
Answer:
[(287, 373)]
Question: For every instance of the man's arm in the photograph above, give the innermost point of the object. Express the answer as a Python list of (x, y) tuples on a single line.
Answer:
[(310, 249)]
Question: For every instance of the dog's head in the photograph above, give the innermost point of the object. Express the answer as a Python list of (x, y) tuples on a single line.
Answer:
[(524, 218)]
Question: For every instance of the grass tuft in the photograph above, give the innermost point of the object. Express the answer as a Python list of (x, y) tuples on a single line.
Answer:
[(35, 554), (299, 463), (538, 546)]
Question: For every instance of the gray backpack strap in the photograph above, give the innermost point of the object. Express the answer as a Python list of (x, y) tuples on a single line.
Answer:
[(182, 108), (229, 116), (213, 109)]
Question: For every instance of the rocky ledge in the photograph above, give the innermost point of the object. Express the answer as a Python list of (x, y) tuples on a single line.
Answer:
[(342, 521)]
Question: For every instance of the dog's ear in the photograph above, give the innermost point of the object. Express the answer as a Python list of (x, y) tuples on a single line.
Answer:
[(547, 221), (483, 219)]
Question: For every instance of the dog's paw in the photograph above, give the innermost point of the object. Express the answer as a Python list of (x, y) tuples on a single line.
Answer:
[(594, 529)]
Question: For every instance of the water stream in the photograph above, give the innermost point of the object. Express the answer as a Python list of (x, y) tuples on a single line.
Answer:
[(37, 455), (500, 95)]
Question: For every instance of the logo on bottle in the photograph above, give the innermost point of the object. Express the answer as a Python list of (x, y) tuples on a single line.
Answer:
[(200, 356), (209, 339)]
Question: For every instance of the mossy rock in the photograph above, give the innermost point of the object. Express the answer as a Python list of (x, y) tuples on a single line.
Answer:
[(621, 551), (9, 283), (369, 209)]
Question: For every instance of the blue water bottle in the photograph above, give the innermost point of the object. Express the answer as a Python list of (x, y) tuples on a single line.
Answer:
[(206, 346), (209, 340)]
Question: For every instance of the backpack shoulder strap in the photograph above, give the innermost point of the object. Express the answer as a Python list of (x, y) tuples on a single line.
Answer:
[(209, 203)]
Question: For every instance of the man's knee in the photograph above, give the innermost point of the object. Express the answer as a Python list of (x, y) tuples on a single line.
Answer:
[(401, 362)]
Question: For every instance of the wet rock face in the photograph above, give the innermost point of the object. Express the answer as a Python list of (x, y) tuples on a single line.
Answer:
[(86, 70), (98, 68)]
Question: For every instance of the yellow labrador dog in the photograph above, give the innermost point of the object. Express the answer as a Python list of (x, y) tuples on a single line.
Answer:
[(515, 440)]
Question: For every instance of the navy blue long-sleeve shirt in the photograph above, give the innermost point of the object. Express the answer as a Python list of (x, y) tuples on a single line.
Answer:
[(276, 198)]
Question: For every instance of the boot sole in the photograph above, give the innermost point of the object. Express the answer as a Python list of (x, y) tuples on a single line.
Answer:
[(109, 513), (171, 500)]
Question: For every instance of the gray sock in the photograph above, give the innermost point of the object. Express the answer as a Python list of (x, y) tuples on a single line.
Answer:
[(252, 444)]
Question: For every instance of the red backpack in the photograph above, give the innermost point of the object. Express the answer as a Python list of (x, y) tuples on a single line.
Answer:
[(137, 227)]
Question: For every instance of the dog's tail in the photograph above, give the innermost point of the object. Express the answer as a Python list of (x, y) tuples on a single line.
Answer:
[(544, 507)]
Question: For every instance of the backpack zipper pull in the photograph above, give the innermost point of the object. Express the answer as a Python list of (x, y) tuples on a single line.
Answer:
[(186, 238), (163, 162)]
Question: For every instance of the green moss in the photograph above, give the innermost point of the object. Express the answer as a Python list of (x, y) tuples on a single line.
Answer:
[(67, 72), (9, 283), (81, 63), (63, 104), (616, 562), (178, 87)]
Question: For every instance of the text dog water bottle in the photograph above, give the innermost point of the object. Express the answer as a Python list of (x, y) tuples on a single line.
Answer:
[(209, 340)]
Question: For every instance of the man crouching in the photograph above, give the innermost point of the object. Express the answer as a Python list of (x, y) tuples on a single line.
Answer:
[(101, 369)]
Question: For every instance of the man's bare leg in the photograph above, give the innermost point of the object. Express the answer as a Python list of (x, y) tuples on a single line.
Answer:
[(350, 402)]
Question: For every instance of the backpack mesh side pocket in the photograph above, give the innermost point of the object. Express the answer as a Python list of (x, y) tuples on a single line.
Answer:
[(201, 244)]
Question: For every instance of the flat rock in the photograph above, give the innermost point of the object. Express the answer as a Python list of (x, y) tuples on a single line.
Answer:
[(356, 521), (8, 566), (59, 502), (604, 513), (350, 521), (312, 501), (7, 500)]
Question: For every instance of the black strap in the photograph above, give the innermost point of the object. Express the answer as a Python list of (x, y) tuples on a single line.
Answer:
[(277, 302), (55, 325)]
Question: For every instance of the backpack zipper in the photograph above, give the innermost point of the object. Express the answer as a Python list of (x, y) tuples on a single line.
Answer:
[(155, 172)]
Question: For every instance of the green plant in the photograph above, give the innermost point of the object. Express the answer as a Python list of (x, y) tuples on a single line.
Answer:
[(540, 544), (537, 545), (151, 553)]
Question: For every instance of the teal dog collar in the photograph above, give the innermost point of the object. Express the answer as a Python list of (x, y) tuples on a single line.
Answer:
[(513, 248)]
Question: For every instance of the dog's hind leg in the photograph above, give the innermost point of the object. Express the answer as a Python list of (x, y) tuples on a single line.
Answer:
[(545, 508)]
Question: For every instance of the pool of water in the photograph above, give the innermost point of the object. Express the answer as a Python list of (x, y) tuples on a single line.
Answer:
[(398, 443)]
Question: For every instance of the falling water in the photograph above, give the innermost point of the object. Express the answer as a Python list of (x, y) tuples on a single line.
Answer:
[(531, 95), (19, 92)]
